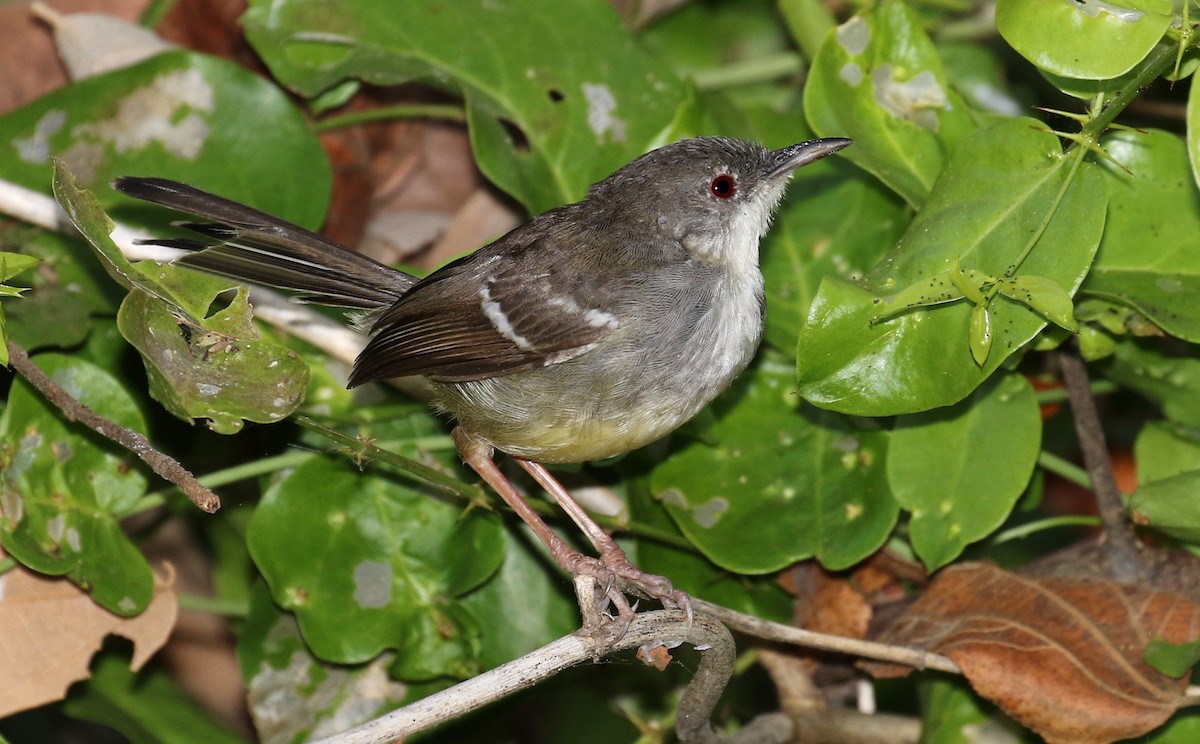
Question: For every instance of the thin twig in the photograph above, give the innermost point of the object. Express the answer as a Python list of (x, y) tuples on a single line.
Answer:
[(165, 466), (1121, 549), (769, 631)]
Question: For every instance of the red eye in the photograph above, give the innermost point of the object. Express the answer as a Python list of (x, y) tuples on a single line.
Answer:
[(723, 186)]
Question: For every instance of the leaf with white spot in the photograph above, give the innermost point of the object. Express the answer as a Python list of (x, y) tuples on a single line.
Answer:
[(961, 469), (582, 109), (879, 80), (64, 488), (368, 563), (784, 481)]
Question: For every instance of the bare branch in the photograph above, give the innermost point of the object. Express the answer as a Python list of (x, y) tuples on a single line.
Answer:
[(164, 465), (769, 631), (1122, 550)]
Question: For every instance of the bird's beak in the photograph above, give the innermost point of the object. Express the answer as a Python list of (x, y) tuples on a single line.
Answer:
[(794, 156)]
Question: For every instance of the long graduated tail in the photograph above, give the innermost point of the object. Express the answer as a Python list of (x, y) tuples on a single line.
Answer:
[(255, 247)]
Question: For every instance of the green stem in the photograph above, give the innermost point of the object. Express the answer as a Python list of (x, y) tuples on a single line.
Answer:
[(446, 112), (155, 12), (1155, 64), (748, 72), (7, 564), (237, 608), (1064, 469), (365, 451), (1025, 530), (808, 22), (224, 477), (1059, 395)]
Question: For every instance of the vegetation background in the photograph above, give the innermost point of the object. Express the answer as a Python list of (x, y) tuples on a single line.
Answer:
[(899, 463)]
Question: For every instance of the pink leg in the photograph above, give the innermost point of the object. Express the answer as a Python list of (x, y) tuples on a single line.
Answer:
[(479, 457)]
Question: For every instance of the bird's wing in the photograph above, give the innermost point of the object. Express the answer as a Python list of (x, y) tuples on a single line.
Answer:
[(485, 316)]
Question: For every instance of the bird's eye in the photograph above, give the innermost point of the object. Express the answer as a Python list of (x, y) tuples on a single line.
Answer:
[(723, 186)]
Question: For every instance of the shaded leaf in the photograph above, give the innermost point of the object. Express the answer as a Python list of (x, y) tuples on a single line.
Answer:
[(148, 708), (49, 630), (180, 115), (382, 567), (784, 482), (1172, 383), (63, 488), (961, 469), (1062, 656), (583, 109), (1170, 506), (294, 696), (1163, 450), (1147, 258)]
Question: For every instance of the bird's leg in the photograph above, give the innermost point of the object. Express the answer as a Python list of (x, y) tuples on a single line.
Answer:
[(652, 585), (479, 457)]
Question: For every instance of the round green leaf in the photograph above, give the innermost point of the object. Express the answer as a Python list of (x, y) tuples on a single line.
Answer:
[(999, 189), (187, 116), (961, 469), (1163, 450), (368, 564), (878, 80), (1088, 39), (584, 109), (1170, 506), (782, 483), (63, 488), (1148, 258)]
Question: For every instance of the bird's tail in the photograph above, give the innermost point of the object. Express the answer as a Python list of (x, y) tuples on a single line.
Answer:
[(252, 246)]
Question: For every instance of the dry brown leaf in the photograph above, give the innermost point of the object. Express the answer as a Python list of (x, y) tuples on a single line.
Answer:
[(1062, 656), (49, 630)]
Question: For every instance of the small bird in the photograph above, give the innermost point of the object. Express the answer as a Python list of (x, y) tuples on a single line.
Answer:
[(589, 331)]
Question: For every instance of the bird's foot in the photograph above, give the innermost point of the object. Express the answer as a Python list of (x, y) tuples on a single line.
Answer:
[(615, 576)]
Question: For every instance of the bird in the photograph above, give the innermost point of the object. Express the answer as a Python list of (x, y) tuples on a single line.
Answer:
[(591, 330)]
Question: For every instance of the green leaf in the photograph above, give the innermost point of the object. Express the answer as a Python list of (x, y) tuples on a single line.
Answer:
[(1148, 259), (295, 696), (181, 115), (1088, 39), (1193, 131), (197, 371), (1001, 187), (760, 596), (981, 334), (960, 470), (379, 566), (63, 487), (1162, 450), (1173, 383), (1170, 506), (66, 293), (837, 221), (878, 80), (535, 610), (785, 482), (199, 364), (12, 264), (147, 707), (583, 108), (1043, 295), (1172, 659)]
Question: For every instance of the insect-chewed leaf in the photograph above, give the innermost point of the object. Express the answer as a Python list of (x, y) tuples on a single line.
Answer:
[(1044, 295)]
